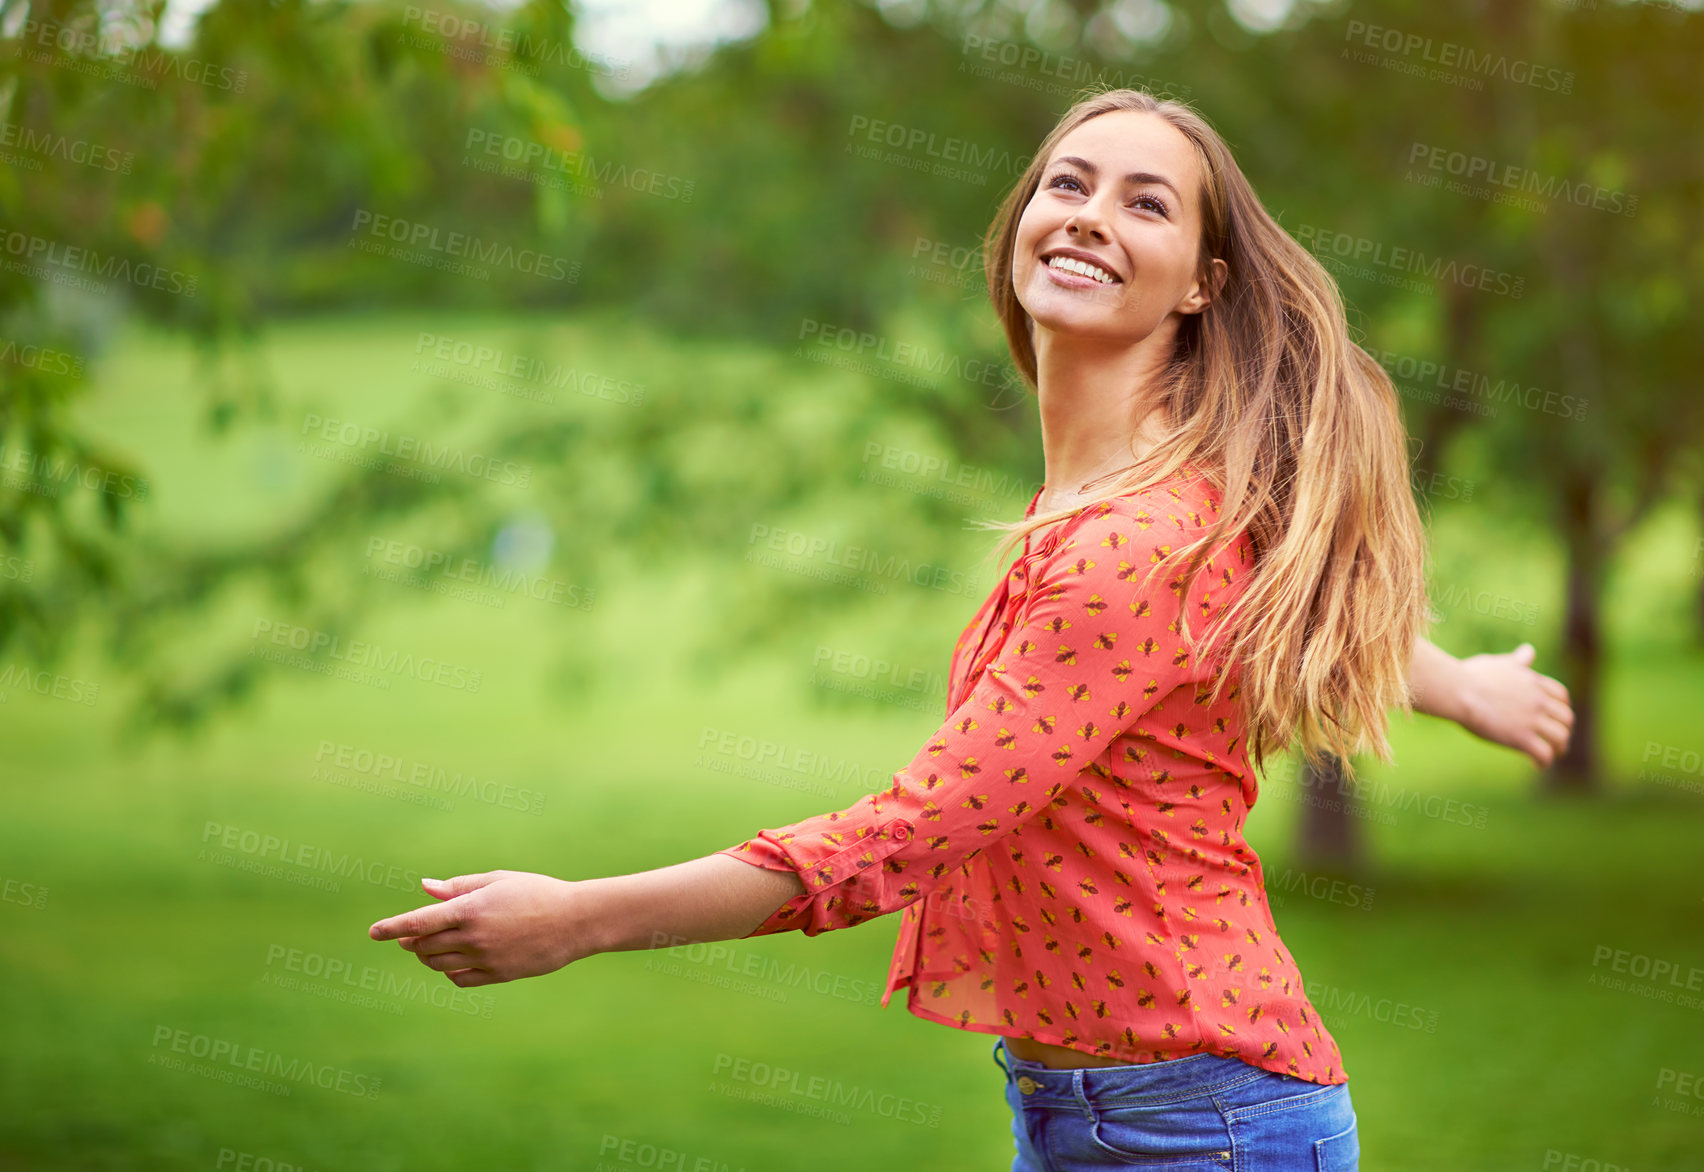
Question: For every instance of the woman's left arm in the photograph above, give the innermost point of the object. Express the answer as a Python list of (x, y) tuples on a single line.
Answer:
[(1497, 697)]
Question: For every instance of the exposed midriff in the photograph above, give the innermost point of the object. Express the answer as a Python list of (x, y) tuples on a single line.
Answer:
[(1056, 1057)]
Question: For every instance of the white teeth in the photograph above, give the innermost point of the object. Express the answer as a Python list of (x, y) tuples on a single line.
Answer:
[(1072, 265)]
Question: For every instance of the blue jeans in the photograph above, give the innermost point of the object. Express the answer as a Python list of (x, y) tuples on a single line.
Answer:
[(1203, 1113)]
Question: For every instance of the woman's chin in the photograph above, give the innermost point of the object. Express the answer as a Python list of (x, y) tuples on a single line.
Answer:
[(1082, 322)]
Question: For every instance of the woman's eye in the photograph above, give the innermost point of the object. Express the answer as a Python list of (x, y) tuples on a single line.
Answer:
[(1153, 202)]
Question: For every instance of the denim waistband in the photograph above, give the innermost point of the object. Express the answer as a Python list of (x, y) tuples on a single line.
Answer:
[(1143, 1082)]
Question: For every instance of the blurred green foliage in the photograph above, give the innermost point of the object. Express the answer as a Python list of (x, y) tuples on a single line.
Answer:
[(263, 161)]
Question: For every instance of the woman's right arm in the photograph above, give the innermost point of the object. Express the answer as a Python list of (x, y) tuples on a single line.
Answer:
[(503, 925)]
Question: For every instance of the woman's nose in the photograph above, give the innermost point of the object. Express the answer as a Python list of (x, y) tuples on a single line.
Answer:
[(1087, 222)]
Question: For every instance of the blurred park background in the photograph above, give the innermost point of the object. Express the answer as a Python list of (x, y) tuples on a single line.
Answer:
[(437, 438)]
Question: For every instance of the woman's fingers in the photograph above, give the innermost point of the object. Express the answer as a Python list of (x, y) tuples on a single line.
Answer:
[(1535, 746), (421, 921), (503, 925), (1555, 732), (449, 940), (460, 884)]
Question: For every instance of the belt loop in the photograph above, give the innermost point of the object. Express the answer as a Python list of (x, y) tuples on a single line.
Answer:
[(999, 1058), (1078, 1076)]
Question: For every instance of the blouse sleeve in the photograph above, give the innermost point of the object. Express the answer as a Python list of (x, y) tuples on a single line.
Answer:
[(1096, 650)]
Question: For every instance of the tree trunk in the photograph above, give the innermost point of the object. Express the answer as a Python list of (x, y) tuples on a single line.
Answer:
[(1698, 571), (1330, 834), (1576, 771)]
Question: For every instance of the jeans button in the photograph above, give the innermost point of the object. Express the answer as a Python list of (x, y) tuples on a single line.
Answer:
[(1026, 1084)]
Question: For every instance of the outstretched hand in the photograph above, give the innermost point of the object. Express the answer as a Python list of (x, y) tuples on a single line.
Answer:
[(498, 926), (1508, 703)]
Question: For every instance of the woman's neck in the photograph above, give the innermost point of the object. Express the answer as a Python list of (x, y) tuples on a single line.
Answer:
[(1093, 418)]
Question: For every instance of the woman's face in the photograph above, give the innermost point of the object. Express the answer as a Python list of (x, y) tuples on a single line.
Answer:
[(1121, 193)]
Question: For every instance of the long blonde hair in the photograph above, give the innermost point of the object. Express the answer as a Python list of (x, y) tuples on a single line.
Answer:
[(1298, 428)]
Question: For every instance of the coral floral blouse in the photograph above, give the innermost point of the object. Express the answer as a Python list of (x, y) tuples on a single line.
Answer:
[(1067, 848)]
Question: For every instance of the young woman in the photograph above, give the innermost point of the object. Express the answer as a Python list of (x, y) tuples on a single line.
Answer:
[(1225, 559)]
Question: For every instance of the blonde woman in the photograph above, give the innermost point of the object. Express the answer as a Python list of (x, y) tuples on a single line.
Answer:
[(1225, 559)]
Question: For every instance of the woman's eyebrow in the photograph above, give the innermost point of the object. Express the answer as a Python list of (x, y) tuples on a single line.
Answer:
[(1090, 169)]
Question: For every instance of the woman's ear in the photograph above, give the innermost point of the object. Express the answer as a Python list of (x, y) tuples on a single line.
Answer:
[(1216, 274), (1220, 274)]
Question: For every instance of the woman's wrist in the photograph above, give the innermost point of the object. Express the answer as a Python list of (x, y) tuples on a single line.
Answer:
[(1440, 683)]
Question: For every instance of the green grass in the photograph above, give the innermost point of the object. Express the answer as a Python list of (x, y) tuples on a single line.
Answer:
[(1489, 933)]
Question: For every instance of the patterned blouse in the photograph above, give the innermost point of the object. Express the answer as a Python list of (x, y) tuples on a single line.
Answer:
[(1067, 848)]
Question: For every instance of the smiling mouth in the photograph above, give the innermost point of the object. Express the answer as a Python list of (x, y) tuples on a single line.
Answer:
[(1082, 268)]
